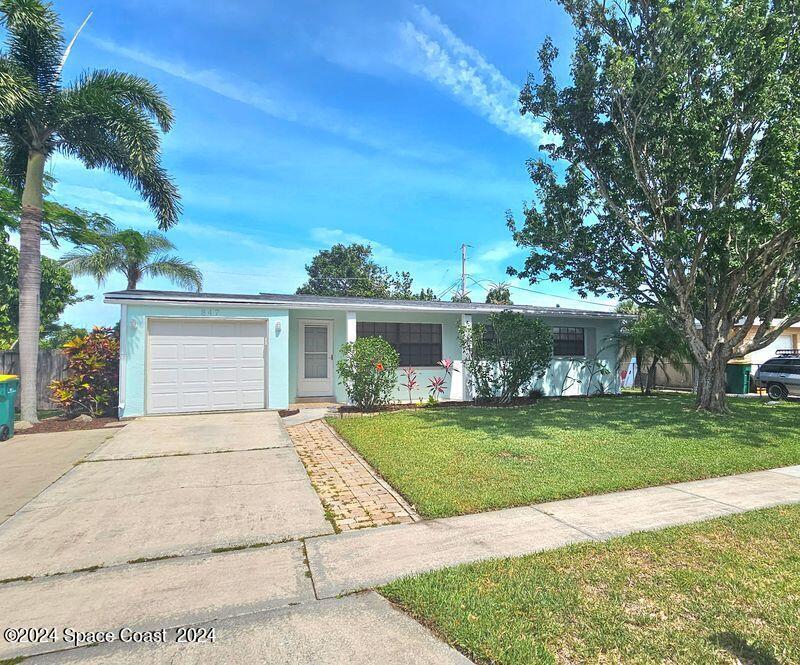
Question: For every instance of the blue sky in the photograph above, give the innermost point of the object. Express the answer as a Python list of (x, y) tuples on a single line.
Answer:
[(301, 124)]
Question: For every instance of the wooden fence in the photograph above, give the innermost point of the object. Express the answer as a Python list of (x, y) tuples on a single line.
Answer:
[(52, 365)]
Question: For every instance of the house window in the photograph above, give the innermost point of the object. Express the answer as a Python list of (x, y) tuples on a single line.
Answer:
[(419, 344), (568, 342)]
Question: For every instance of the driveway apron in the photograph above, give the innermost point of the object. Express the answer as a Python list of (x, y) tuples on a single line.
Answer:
[(164, 487)]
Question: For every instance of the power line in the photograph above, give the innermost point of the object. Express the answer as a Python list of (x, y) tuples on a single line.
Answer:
[(542, 293)]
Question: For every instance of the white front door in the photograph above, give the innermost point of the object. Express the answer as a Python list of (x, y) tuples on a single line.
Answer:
[(315, 371)]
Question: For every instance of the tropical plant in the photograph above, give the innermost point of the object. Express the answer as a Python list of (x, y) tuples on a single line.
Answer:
[(136, 255), (653, 340), (105, 119), (675, 177), (410, 382), (503, 358), (499, 294), (368, 371), (91, 383), (436, 387)]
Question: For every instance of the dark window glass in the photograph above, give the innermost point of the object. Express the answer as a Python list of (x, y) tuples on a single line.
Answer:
[(568, 342), (419, 344)]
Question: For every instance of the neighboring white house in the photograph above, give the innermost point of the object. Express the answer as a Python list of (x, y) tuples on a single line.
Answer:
[(189, 352)]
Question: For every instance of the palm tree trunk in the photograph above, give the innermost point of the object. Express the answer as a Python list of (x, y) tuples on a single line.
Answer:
[(30, 280)]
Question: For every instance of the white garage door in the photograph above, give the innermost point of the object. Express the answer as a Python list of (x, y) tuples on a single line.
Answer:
[(205, 365), (762, 355)]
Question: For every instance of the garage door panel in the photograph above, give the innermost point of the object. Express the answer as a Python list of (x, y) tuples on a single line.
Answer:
[(164, 352), (202, 366), (250, 374), (253, 351)]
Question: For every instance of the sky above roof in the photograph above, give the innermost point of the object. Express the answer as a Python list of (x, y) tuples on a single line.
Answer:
[(301, 124)]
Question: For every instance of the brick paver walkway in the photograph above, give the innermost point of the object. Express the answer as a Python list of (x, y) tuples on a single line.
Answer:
[(353, 494)]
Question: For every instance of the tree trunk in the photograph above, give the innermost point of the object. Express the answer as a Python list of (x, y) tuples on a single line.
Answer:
[(651, 377), (30, 279), (711, 386)]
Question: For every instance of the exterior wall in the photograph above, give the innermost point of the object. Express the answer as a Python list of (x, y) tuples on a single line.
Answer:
[(133, 361), (789, 339), (283, 349), (450, 346), (563, 375)]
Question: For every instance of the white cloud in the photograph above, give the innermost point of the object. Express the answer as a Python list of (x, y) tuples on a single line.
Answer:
[(434, 51), (279, 105)]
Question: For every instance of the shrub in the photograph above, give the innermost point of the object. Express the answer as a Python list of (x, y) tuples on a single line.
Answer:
[(505, 357), (91, 385), (368, 371)]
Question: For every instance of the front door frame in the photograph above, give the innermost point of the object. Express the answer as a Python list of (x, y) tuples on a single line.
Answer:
[(314, 387)]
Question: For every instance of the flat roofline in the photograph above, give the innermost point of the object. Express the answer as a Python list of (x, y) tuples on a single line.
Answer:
[(286, 301)]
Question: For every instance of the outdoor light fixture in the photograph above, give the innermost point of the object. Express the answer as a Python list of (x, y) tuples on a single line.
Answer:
[(277, 328)]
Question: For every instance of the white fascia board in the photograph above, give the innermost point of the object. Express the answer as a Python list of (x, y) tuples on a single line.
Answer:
[(388, 307)]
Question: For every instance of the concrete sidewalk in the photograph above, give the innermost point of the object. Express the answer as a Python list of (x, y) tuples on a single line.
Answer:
[(358, 560), (284, 595)]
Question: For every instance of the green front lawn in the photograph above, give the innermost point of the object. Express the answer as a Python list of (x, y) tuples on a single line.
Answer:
[(725, 591), (466, 460)]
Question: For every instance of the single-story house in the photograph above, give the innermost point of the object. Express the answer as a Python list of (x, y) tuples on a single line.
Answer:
[(191, 352)]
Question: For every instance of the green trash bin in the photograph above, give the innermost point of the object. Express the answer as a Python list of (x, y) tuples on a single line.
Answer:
[(9, 383), (737, 378)]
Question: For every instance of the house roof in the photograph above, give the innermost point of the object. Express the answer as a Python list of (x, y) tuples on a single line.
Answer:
[(292, 301)]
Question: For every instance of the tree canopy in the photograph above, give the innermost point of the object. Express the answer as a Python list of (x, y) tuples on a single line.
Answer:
[(135, 255), (499, 294), (350, 270), (674, 180), (57, 292)]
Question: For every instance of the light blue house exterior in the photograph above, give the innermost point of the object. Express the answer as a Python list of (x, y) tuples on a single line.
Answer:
[(191, 352)]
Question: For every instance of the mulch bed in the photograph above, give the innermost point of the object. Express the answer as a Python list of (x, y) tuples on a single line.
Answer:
[(61, 424)]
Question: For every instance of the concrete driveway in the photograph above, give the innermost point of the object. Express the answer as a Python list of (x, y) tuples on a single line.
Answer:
[(162, 527), (164, 487), (32, 462)]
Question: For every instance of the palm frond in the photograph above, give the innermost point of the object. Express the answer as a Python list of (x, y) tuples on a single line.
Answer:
[(35, 40), (96, 262), (18, 91), (121, 138), (183, 273), (108, 88), (157, 243)]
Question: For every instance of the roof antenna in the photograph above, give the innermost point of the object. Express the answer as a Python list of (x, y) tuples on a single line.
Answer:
[(69, 46)]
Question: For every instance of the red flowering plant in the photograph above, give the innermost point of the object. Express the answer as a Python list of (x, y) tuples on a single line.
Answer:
[(410, 382), (436, 387), (91, 384)]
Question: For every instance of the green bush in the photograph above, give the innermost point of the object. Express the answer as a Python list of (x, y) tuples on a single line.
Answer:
[(91, 385), (368, 371), (504, 358)]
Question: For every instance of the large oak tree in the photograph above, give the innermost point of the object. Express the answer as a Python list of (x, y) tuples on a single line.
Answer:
[(675, 179)]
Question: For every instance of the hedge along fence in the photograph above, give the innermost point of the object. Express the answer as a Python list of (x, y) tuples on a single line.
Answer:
[(52, 365)]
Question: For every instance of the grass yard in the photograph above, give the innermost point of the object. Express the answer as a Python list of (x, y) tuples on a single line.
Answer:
[(727, 590), (466, 460)]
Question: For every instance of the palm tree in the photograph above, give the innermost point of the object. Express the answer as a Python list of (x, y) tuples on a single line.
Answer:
[(106, 119), (135, 255)]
